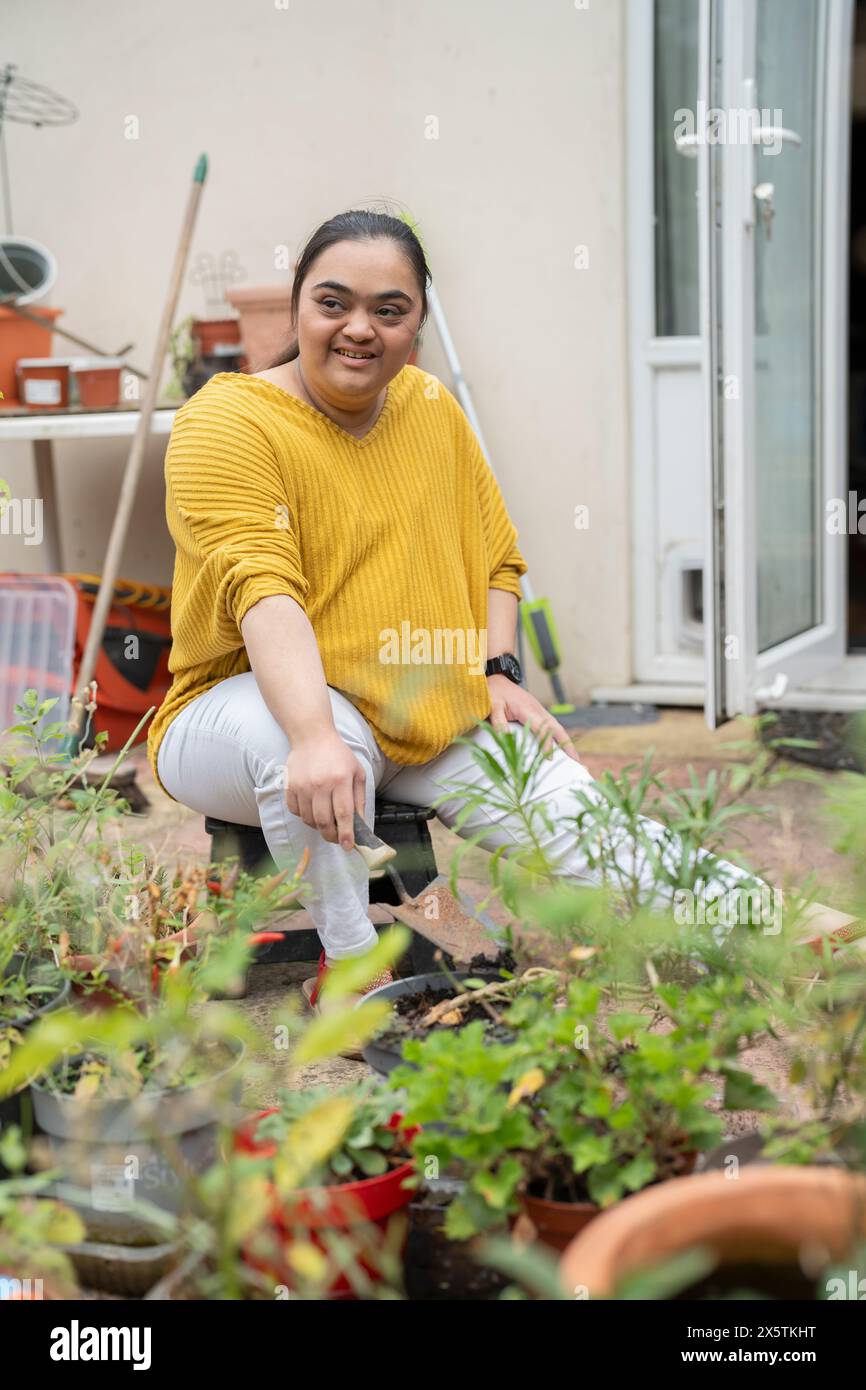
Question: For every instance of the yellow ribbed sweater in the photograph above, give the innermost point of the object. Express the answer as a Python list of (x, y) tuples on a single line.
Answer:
[(389, 543)]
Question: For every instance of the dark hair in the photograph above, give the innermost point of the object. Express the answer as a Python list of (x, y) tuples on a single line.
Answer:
[(357, 225)]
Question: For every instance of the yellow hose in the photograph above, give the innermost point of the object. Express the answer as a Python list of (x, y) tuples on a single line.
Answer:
[(126, 592)]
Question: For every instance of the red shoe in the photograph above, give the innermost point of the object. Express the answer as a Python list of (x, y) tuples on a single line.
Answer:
[(312, 988)]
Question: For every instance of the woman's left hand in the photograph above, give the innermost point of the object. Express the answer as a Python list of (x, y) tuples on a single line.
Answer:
[(511, 703)]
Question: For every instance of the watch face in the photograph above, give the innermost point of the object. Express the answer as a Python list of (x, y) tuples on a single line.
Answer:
[(512, 666)]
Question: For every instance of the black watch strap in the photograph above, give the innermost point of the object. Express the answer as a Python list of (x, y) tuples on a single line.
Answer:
[(505, 665)]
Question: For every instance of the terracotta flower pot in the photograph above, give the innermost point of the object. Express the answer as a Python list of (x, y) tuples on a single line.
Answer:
[(21, 338), (554, 1224), (765, 1217), (210, 332), (265, 312)]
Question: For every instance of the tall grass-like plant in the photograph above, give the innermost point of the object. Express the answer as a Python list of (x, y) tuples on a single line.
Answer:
[(641, 844)]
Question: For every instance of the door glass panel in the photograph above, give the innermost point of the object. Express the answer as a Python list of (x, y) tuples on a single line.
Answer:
[(675, 174), (787, 324)]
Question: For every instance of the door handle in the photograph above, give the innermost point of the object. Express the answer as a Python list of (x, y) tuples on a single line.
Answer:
[(775, 134)]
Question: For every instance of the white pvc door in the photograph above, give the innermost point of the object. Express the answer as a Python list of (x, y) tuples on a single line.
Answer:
[(773, 139)]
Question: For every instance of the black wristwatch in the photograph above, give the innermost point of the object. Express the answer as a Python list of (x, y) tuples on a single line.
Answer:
[(505, 665)]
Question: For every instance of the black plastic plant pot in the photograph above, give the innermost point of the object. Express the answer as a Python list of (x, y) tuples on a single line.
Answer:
[(113, 1146), (382, 1054), (14, 1109), (438, 1268)]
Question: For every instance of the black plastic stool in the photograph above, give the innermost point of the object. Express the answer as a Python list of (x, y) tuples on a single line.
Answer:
[(402, 826)]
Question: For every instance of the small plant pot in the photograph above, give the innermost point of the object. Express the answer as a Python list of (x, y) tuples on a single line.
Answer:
[(19, 337), (383, 1055), (43, 382), (16, 1109), (98, 381), (265, 312), (127, 1271), (30, 1013), (209, 333), (439, 1269), (554, 1224), (114, 1144), (351, 1207)]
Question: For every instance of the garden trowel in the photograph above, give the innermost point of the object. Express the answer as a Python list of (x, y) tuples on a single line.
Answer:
[(456, 924)]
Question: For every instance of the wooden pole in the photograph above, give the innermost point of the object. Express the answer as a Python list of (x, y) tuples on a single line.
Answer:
[(132, 471)]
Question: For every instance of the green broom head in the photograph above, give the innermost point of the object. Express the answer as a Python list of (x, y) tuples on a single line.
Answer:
[(410, 222)]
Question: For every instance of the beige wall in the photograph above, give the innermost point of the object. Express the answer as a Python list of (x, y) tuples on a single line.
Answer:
[(311, 109)]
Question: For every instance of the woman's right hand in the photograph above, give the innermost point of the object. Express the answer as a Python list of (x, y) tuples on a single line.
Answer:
[(325, 785)]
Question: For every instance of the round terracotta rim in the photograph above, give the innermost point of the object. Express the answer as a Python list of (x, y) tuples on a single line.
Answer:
[(770, 1210)]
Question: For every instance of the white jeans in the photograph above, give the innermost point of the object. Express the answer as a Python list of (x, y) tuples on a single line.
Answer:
[(224, 755)]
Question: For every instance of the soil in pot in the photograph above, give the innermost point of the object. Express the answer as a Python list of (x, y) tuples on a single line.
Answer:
[(411, 1010), (752, 1280), (413, 999)]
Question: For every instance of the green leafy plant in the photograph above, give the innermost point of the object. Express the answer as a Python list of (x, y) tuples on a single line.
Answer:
[(824, 1023), (583, 1105), (32, 1228), (72, 885), (182, 351), (57, 851), (120, 1053), (369, 1146)]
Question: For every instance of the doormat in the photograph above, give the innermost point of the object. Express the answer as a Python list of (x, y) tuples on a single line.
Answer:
[(838, 738), (597, 716)]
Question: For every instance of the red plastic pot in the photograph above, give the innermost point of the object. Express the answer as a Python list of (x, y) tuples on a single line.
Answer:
[(350, 1206)]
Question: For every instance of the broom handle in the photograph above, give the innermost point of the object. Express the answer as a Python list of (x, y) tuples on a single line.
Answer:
[(134, 462)]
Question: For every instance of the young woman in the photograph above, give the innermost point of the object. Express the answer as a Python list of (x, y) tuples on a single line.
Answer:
[(343, 551)]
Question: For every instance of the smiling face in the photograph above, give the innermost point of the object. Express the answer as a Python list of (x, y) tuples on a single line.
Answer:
[(359, 311)]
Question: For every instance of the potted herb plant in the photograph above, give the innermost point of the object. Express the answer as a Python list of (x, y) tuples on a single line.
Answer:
[(343, 1210), (129, 1102), (583, 1106)]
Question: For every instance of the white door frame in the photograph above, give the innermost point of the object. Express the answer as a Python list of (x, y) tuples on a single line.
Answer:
[(649, 356), (727, 177)]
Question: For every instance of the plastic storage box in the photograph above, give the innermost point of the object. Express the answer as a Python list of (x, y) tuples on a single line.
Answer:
[(37, 642)]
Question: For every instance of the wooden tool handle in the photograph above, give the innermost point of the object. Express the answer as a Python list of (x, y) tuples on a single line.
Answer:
[(372, 850)]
